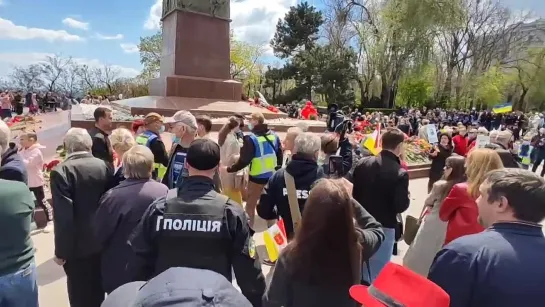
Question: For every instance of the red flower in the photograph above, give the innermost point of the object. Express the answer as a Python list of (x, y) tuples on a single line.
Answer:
[(49, 166)]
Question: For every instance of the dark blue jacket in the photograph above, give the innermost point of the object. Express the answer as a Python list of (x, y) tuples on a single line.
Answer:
[(500, 267), (121, 209), (12, 167)]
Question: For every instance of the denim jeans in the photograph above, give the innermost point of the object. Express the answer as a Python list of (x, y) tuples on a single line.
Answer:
[(19, 288), (381, 257)]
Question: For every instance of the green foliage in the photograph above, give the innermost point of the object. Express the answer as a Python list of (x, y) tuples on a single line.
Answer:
[(299, 29), (334, 71), (150, 54), (489, 87), (528, 79), (244, 60), (415, 88), (273, 80), (295, 38), (323, 69)]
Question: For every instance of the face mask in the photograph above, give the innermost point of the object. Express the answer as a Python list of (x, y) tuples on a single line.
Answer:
[(162, 129), (176, 140), (250, 126)]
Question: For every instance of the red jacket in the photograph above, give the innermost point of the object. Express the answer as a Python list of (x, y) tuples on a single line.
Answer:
[(459, 209), (471, 145), (460, 145)]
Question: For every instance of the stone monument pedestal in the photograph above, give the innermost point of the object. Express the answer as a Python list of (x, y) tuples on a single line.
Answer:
[(195, 61), (195, 65)]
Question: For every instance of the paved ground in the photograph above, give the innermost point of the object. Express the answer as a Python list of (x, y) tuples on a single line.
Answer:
[(52, 281)]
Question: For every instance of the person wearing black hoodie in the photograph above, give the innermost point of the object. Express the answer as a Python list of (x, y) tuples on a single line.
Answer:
[(274, 204)]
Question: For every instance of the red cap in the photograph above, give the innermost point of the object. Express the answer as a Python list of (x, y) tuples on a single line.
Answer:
[(402, 286)]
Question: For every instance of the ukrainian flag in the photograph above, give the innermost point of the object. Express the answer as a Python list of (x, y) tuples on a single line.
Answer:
[(503, 108)]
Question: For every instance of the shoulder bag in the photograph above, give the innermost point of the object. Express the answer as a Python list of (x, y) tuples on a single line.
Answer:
[(295, 212)]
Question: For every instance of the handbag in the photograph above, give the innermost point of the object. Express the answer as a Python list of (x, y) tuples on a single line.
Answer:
[(412, 224), (295, 212)]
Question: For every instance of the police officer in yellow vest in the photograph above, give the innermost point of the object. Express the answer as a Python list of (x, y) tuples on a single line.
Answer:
[(261, 150), (151, 138)]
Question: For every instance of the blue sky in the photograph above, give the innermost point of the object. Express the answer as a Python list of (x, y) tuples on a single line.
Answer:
[(106, 32)]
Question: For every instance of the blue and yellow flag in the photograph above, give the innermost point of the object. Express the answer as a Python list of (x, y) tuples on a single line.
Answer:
[(503, 108)]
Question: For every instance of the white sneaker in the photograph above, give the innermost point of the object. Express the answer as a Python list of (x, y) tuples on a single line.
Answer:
[(48, 228)]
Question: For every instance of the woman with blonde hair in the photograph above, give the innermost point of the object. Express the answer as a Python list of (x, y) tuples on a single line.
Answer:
[(459, 209), (230, 144), (121, 140)]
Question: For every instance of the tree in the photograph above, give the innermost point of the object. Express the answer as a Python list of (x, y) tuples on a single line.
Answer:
[(107, 76), (490, 87), (27, 78), (334, 70), (529, 74), (244, 59), (64, 76), (273, 79), (150, 54), (485, 32), (416, 87), (88, 77), (53, 68), (296, 34), (69, 81), (297, 31)]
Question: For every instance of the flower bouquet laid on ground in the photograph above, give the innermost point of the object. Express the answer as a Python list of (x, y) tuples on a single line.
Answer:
[(417, 150)]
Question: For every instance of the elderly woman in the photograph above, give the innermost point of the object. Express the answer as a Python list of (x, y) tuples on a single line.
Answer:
[(122, 140), (121, 208), (77, 184)]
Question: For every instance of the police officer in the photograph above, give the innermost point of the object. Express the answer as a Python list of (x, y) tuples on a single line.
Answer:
[(262, 150), (198, 228), (151, 138)]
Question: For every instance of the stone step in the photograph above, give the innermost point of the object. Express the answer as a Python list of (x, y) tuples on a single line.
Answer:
[(417, 173)]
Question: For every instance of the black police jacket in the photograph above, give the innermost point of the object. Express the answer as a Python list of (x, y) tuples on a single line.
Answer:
[(200, 229)]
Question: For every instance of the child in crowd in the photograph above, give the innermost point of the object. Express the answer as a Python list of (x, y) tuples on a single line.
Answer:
[(524, 152), (31, 152)]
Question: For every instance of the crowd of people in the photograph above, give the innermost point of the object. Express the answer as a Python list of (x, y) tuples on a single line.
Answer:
[(16, 101), (144, 220), (39, 102)]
